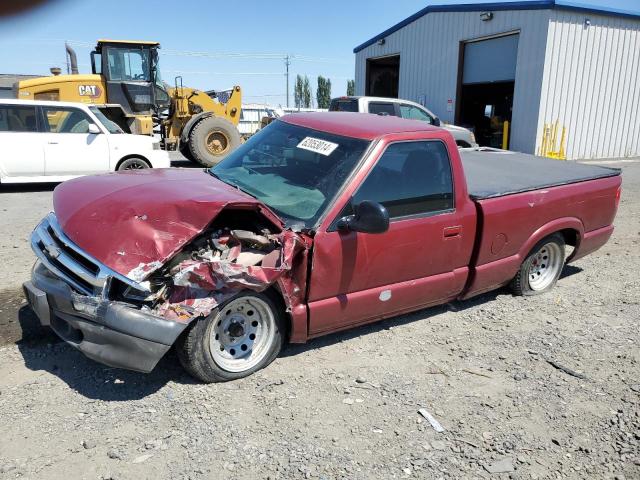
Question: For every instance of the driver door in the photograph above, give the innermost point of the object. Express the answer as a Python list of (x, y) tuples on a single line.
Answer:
[(359, 277)]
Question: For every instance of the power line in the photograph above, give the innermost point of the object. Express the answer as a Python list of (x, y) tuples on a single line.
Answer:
[(222, 73)]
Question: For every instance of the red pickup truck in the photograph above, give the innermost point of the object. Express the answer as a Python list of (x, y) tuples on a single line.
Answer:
[(318, 223)]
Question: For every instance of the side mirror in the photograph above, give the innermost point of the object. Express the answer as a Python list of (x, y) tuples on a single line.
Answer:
[(369, 217), (436, 122), (93, 129)]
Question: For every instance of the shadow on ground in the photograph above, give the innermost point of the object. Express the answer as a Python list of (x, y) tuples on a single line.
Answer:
[(420, 315), (27, 187), (569, 271), (42, 350)]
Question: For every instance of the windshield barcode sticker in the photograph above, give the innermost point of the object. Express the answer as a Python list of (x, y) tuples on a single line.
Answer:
[(318, 146)]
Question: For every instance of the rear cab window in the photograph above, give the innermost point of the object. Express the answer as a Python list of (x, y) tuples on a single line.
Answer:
[(410, 178), (343, 105), (383, 108), (18, 118)]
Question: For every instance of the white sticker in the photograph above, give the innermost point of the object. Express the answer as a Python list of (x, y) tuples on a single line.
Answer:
[(385, 295), (318, 146)]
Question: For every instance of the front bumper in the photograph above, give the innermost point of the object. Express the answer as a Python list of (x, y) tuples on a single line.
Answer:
[(113, 333)]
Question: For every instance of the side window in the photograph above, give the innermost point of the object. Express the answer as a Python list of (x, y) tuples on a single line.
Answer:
[(382, 108), (128, 64), (410, 178), (65, 120), (414, 113), (14, 118)]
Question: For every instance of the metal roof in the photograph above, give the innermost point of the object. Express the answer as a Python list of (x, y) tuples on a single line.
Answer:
[(497, 6), (136, 42), (8, 79)]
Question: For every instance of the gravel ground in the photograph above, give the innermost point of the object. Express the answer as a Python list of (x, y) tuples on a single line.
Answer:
[(346, 406)]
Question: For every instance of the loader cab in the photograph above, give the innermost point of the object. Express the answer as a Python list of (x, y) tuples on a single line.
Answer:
[(131, 74)]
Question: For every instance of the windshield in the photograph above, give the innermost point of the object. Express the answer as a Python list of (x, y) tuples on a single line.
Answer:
[(112, 127), (295, 171)]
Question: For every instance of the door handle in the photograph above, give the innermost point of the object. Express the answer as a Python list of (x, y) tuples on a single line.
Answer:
[(53, 143), (450, 232)]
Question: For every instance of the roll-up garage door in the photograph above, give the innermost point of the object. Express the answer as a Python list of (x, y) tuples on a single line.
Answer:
[(492, 60), (487, 86)]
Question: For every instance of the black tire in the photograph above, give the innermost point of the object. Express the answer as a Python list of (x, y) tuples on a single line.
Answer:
[(195, 345), (185, 151), (133, 163), (535, 276), (209, 134)]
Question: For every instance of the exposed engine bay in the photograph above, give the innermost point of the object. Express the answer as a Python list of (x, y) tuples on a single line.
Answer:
[(219, 263)]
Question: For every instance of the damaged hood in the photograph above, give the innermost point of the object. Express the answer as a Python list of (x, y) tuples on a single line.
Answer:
[(133, 222)]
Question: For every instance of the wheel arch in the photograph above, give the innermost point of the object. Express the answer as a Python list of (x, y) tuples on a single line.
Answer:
[(570, 228), (133, 155), (275, 293)]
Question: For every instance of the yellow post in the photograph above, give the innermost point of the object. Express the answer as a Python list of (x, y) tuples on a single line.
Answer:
[(505, 135)]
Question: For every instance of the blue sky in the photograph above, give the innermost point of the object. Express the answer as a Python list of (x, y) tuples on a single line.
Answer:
[(321, 34)]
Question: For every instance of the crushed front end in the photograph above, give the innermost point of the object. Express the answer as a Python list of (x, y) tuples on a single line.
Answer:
[(73, 293), (130, 321)]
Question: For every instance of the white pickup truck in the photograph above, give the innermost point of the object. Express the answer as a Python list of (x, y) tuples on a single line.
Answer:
[(402, 108), (43, 141)]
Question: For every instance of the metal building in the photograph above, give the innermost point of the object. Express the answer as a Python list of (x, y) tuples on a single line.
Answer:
[(7, 81), (565, 76)]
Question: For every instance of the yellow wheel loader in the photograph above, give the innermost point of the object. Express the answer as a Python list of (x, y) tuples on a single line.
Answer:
[(126, 84)]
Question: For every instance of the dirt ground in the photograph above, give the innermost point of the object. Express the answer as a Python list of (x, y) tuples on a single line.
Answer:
[(346, 406)]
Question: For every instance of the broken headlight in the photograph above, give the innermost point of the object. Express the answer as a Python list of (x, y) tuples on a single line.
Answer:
[(124, 292)]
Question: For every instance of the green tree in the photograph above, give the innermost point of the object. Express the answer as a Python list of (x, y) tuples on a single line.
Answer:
[(298, 92), (351, 88), (323, 93), (306, 93)]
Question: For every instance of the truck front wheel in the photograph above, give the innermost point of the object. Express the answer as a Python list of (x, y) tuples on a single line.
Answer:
[(212, 139), (542, 267), (239, 337)]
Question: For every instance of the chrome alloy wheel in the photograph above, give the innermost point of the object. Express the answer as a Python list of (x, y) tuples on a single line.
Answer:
[(242, 333), (544, 266)]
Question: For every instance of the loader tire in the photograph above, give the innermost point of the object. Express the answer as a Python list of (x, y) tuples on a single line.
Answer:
[(185, 151), (212, 139)]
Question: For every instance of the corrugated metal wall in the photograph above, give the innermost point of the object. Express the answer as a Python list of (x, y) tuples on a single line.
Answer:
[(429, 50), (591, 84)]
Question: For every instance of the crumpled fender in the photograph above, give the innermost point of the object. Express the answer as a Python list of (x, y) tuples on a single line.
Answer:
[(133, 222)]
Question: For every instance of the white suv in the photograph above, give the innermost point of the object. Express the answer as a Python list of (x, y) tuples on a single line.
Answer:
[(55, 141), (401, 108)]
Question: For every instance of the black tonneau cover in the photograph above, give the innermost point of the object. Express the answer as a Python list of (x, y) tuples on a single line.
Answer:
[(494, 173)]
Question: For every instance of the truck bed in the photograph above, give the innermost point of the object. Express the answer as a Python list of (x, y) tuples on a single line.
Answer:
[(495, 173)]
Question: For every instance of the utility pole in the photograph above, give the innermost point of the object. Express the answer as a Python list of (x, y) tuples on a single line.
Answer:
[(287, 63)]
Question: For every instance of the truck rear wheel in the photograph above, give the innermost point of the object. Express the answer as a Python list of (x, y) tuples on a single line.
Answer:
[(542, 267), (212, 139), (239, 337), (133, 163)]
